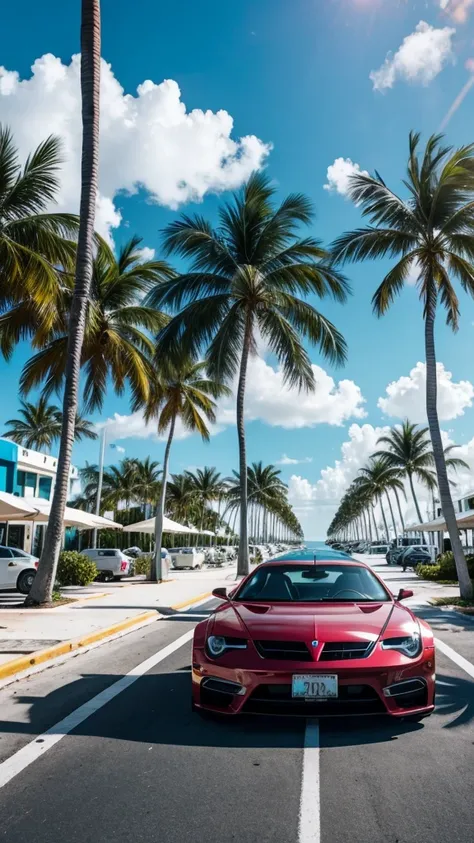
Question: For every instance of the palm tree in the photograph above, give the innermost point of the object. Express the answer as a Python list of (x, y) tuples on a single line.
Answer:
[(32, 243), (147, 482), (40, 426), (184, 393), (42, 589), (376, 479), (409, 451), (267, 498), (116, 346), (207, 487), (430, 233), (181, 504), (246, 279)]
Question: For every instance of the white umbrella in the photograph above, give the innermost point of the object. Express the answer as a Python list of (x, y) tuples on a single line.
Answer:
[(11, 506), (148, 526), (40, 510)]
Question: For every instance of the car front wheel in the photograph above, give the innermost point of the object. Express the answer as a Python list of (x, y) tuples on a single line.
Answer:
[(25, 581)]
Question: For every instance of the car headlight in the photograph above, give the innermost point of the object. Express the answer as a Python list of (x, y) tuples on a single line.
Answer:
[(409, 645), (218, 644)]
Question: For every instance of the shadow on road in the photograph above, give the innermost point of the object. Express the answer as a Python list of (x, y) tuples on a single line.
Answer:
[(156, 710), (440, 619)]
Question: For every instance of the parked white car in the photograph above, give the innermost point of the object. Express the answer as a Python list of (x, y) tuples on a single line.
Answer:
[(17, 569), (186, 557), (110, 562)]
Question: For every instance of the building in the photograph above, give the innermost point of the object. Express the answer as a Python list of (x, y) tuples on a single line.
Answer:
[(28, 474)]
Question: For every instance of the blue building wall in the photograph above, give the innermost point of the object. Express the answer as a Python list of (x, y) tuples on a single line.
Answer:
[(8, 466)]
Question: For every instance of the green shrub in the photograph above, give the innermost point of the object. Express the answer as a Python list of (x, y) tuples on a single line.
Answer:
[(143, 564), (75, 569), (445, 569), (429, 572), (448, 567)]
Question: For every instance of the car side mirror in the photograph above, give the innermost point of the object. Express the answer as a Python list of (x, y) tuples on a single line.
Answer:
[(221, 593), (404, 593)]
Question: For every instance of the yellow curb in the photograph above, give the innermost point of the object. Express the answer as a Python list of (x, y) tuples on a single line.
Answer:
[(40, 656), (92, 597), (191, 602)]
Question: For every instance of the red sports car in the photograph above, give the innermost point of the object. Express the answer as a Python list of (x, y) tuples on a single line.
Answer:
[(314, 638)]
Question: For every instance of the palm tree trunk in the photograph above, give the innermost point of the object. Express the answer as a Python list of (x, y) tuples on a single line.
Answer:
[(397, 498), (243, 557), (42, 589), (369, 535), (392, 516), (415, 499), (375, 522), (156, 573), (383, 516), (465, 584)]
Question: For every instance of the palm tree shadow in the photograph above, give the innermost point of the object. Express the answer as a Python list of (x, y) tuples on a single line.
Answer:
[(156, 709)]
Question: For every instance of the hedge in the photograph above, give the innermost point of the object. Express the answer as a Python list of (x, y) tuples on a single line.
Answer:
[(445, 569), (75, 568)]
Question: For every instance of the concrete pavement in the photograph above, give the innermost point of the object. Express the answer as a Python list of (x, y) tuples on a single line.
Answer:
[(102, 610), (136, 764)]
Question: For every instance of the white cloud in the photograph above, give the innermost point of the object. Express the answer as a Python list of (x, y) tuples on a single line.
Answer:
[(268, 400), (336, 478), (134, 426), (339, 175), (406, 396), (285, 460), (146, 254), (419, 59), (457, 9), (148, 141)]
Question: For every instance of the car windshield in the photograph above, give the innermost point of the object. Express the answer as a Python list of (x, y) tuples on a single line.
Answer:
[(316, 583)]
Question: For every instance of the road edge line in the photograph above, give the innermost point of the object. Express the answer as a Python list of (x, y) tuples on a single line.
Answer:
[(38, 746), (188, 603), (455, 657), (15, 666)]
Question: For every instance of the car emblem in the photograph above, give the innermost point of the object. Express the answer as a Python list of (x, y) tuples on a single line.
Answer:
[(314, 643)]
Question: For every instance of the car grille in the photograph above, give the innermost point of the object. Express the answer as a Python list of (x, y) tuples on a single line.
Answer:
[(336, 651), (277, 699), (295, 651)]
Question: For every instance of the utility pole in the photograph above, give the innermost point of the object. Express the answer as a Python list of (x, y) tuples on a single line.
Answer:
[(103, 436)]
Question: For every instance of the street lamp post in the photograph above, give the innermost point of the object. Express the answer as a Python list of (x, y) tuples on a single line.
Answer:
[(103, 436)]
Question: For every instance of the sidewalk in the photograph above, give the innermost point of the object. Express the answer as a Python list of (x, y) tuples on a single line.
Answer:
[(423, 590), (29, 637)]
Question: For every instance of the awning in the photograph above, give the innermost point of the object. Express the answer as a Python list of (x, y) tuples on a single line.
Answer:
[(465, 521), (148, 526), (12, 506), (40, 509)]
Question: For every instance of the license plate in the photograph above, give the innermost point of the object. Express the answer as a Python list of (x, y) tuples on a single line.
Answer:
[(314, 687)]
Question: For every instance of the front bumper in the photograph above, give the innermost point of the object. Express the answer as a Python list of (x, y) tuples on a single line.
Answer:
[(363, 690)]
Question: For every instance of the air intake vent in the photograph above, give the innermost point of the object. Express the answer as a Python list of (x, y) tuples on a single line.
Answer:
[(345, 650), (295, 651)]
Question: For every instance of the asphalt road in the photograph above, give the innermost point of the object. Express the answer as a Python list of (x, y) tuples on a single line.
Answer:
[(142, 767)]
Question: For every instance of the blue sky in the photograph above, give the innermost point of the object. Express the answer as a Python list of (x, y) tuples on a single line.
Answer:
[(297, 76)]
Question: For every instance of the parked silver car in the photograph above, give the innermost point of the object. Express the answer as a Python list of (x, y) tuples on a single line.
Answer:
[(110, 562)]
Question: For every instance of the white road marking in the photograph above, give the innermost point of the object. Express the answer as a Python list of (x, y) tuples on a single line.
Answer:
[(455, 657), (189, 615), (309, 827), (37, 747)]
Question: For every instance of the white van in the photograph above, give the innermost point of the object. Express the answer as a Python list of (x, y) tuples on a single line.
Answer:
[(110, 562), (186, 557)]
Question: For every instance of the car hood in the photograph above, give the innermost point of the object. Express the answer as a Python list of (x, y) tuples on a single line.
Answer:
[(302, 622)]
